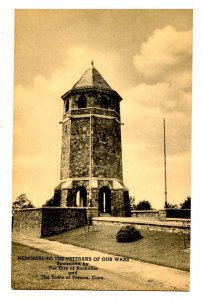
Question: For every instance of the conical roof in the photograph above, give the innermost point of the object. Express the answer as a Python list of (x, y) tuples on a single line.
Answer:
[(91, 79)]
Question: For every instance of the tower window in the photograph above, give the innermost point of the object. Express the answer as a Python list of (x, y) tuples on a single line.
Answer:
[(67, 105), (103, 137), (82, 102), (66, 128), (104, 102), (117, 107)]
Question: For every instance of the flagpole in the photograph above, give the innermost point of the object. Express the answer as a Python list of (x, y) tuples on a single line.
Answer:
[(165, 178), (90, 162)]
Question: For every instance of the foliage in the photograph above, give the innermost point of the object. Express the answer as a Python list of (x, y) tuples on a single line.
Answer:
[(169, 205), (128, 234), (53, 201), (132, 202), (186, 204), (22, 202), (144, 205)]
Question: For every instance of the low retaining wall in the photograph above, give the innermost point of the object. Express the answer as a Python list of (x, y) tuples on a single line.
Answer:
[(162, 214), (27, 221), (169, 226), (178, 213), (47, 221), (149, 214)]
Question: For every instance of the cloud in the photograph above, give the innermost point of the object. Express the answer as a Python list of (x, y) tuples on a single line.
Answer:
[(143, 111), (166, 49), (165, 92), (167, 82), (166, 95)]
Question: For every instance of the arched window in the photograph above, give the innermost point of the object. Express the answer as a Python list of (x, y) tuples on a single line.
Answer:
[(66, 128), (67, 105), (82, 102), (103, 137), (104, 102)]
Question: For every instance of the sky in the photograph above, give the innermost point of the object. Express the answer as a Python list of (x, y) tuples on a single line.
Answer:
[(145, 55)]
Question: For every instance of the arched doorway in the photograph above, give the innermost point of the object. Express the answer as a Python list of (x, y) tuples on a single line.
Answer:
[(105, 200), (81, 197)]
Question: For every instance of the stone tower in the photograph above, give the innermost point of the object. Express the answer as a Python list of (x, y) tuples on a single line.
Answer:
[(91, 158)]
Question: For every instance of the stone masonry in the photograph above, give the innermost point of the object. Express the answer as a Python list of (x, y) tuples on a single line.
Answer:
[(91, 155), (47, 221)]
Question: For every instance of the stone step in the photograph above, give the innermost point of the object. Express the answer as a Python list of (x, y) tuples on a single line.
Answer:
[(104, 215)]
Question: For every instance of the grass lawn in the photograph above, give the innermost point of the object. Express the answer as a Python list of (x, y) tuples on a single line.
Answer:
[(27, 274), (158, 247)]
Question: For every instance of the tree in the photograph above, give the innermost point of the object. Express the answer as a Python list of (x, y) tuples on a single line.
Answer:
[(169, 205), (144, 205), (186, 204), (132, 202), (53, 201), (22, 202)]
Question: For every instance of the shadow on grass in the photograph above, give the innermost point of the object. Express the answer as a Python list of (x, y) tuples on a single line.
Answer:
[(158, 247)]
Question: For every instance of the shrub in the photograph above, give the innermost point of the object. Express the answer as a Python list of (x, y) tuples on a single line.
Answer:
[(128, 234), (186, 204), (144, 205)]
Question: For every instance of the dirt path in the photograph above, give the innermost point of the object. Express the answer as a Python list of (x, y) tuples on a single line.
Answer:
[(119, 275)]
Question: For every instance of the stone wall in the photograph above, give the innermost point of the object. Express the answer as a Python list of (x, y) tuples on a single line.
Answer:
[(118, 205), (65, 149), (79, 148), (56, 220), (106, 148), (47, 221), (152, 225), (178, 213), (28, 221), (162, 214), (148, 214)]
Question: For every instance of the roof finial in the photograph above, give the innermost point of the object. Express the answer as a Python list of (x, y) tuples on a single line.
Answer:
[(92, 63)]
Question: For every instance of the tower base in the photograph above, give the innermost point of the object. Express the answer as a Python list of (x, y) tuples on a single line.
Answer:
[(110, 196)]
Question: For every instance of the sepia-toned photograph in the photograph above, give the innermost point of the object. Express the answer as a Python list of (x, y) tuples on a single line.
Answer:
[(102, 119)]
